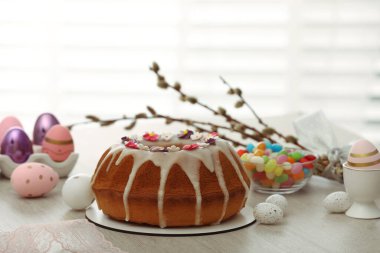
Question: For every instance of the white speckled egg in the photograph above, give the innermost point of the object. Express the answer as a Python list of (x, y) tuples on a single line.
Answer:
[(278, 200), (337, 202), (267, 213), (32, 180), (77, 193)]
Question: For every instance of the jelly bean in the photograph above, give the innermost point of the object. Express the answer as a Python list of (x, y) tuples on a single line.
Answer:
[(291, 159), (266, 159), (249, 166), (256, 160), (281, 159), (266, 182), (283, 152), (244, 157), (298, 176), (259, 176), (309, 165), (296, 168), (258, 152), (278, 171), (287, 166), (267, 142), (250, 147), (276, 147), (296, 156), (306, 171), (271, 164), (310, 157), (281, 179), (260, 167), (261, 146), (270, 175), (267, 152), (269, 169), (303, 160), (275, 185), (288, 183), (240, 152)]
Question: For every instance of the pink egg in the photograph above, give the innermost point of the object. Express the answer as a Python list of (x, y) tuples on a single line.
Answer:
[(363, 155), (8, 123), (58, 143), (32, 180)]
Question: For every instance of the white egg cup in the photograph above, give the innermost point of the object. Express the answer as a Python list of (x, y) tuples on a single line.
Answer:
[(363, 187), (7, 165)]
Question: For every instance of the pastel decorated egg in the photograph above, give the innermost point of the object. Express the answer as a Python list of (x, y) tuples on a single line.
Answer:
[(58, 143), (17, 145), (8, 123), (278, 200), (363, 155), (267, 213), (77, 193), (33, 180), (43, 123), (337, 202)]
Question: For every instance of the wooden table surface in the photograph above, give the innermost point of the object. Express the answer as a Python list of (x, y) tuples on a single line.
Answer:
[(307, 227)]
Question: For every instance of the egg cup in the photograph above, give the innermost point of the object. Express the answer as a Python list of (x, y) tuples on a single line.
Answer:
[(363, 187), (63, 169)]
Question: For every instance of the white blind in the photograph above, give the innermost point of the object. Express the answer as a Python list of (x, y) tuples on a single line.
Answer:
[(75, 57)]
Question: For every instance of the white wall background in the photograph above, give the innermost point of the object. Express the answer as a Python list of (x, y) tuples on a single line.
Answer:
[(75, 57)]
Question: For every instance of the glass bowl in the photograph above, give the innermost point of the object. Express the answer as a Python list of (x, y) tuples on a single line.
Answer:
[(280, 177)]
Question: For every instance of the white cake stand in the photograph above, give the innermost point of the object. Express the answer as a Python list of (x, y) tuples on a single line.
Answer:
[(244, 219)]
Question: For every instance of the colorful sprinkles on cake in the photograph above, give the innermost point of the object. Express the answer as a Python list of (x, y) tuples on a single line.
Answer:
[(151, 136), (185, 134), (200, 140)]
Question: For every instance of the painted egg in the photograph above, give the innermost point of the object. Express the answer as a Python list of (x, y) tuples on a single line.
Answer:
[(58, 143), (33, 180), (267, 213), (363, 155), (8, 123), (337, 202), (77, 192), (278, 200), (17, 145), (43, 123)]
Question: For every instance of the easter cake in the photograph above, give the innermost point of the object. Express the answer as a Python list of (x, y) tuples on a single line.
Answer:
[(189, 179)]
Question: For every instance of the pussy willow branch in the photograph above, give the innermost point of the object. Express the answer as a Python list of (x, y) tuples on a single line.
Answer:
[(238, 93), (162, 83), (198, 125)]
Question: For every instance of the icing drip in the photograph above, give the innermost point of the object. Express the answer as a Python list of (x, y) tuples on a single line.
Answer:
[(191, 168), (222, 183), (138, 160), (231, 155), (189, 161), (113, 151)]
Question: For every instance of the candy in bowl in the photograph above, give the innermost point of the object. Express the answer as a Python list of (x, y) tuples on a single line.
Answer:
[(274, 169)]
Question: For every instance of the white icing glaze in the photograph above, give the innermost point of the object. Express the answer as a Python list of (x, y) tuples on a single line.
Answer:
[(190, 163), (222, 183)]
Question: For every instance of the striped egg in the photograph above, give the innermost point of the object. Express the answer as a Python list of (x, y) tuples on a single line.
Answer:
[(363, 155), (58, 143)]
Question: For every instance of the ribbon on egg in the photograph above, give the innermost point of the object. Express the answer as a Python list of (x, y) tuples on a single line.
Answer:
[(315, 132)]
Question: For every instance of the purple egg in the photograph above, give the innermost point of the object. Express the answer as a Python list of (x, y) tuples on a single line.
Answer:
[(43, 123), (17, 145)]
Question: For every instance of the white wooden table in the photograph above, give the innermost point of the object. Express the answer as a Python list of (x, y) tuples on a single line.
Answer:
[(307, 227)]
